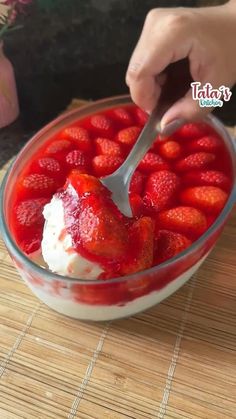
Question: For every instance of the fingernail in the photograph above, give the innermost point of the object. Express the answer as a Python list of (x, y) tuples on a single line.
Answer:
[(170, 128)]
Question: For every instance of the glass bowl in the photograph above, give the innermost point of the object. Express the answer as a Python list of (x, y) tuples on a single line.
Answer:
[(119, 297)]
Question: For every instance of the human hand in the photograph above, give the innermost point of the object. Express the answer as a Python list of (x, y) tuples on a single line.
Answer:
[(205, 36)]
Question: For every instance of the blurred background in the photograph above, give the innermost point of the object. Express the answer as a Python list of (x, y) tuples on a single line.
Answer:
[(78, 48)]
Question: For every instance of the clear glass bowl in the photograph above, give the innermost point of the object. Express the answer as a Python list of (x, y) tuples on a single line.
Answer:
[(114, 298)]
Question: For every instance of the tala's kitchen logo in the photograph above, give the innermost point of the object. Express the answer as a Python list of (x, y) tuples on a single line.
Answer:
[(209, 97)]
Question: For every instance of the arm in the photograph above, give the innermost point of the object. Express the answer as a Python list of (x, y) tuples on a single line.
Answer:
[(206, 36)]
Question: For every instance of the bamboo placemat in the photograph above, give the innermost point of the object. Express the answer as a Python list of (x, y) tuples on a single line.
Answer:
[(177, 360)]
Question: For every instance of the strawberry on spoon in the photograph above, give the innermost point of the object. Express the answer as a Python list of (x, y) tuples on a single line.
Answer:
[(91, 237)]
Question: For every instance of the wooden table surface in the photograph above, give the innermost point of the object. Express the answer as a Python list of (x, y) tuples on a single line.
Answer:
[(175, 361)]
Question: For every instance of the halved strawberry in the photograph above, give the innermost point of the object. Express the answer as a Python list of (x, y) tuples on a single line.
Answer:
[(210, 143), (123, 116), (103, 165), (84, 183), (136, 204), (128, 136), (108, 147), (59, 146), (50, 165), (192, 131), (207, 178), (152, 162), (36, 185), (168, 244), (186, 220), (102, 125), (207, 198), (29, 212), (170, 149), (93, 220), (80, 136), (198, 160), (142, 234), (77, 159), (102, 232), (160, 189), (141, 116), (136, 184)]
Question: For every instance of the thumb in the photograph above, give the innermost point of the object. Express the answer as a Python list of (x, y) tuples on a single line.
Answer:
[(186, 109)]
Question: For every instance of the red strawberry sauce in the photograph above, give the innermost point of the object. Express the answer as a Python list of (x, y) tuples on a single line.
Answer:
[(166, 179)]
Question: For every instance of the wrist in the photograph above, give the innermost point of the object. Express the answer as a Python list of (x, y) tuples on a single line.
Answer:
[(230, 6)]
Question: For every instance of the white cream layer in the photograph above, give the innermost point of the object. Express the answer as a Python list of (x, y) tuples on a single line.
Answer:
[(110, 312), (57, 249)]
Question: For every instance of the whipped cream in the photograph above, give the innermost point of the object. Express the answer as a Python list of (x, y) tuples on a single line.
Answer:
[(57, 247)]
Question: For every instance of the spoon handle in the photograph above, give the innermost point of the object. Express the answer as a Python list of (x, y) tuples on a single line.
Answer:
[(142, 145)]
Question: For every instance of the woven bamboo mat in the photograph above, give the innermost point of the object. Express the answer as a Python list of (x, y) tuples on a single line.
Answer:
[(177, 360)]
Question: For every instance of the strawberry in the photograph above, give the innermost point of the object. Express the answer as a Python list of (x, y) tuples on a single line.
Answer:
[(142, 234), (59, 146), (102, 125), (105, 165), (207, 178), (108, 147), (136, 204), (152, 162), (168, 244), (207, 198), (123, 116), (195, 161), (48, 164), (80, 136), (84, 183), (210, 143), (93, 220), (170, 150), (76, 159), (101, 231), (192, 131), (29, 212), (32, 243), (160, 189), (141, 116), (136, 184), (186, 220), (38, 185), (128, 136)]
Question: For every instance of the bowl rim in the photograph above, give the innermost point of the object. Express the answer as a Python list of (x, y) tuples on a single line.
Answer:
[(125, 99)]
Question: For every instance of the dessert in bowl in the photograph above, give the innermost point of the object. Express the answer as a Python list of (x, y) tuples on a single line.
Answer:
[(71, 244)]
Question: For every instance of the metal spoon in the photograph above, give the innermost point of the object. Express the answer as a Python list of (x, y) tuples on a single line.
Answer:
[(119, 181)]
